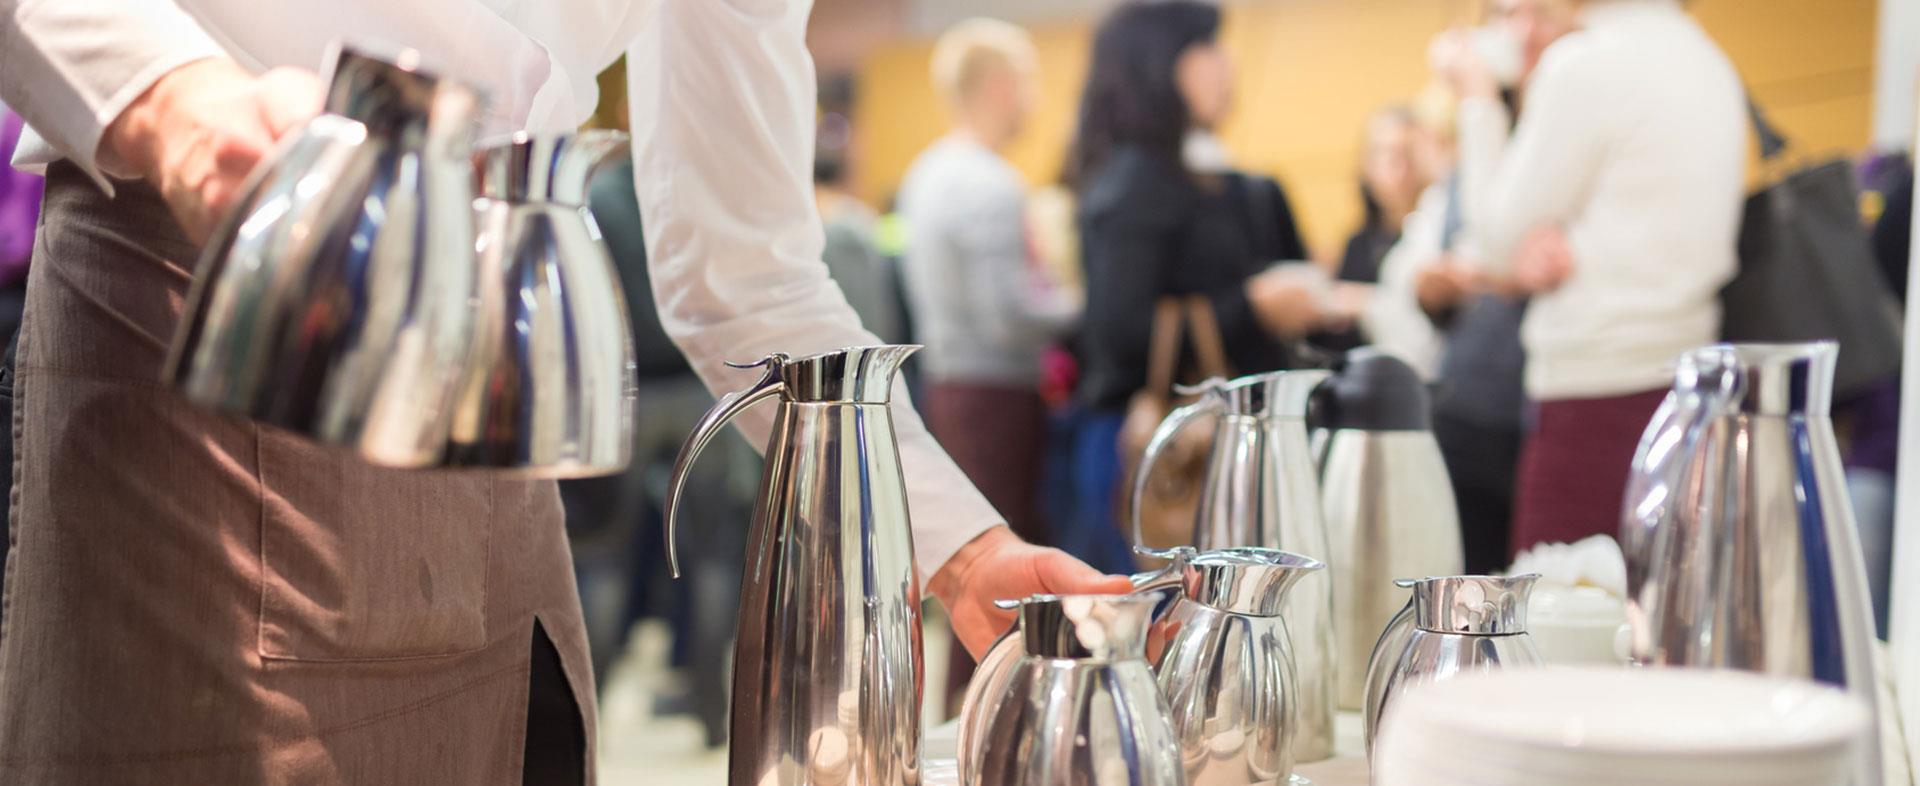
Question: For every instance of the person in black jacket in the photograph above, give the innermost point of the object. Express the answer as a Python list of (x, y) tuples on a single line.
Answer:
[(1159, 215)]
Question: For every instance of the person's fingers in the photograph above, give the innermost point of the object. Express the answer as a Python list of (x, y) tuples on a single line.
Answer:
[(289, 97), (1059, 573)]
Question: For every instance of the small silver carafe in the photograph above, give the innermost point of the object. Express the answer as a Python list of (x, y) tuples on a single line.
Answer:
[(335, 300), (1739, 535), (828, 660), (1452, 625), (1388, 503), (1227, 670), (989, 681), (1261, 490), (1078, 706), (550, 384)]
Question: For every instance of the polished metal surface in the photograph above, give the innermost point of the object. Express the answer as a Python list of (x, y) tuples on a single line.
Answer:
[(550, 385), (335, 300), (828, 659), (1228, 670), (1390, 512), (1261, 490), (1383, 659), (1079, 706), (1453, 625), (1740, 540)]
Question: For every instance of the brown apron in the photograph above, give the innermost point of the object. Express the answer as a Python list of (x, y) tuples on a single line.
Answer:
[(193, 599)]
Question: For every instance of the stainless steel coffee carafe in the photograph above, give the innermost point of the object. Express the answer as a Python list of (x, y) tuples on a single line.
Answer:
[(1739, 536), (828, 660), (1452, 625), (335, 299), (1387, 500), (1227, 670), (550, 384), (1260, 490), (1078, 705)]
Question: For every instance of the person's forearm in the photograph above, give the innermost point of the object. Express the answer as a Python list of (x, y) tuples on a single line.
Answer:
[(722, 100), (70, 67)]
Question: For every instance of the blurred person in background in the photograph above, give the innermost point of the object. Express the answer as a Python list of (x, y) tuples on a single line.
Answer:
[(981, 302), (1161, 214), (1479, 398), (1391, 184), (852, 253), (1614, 204)]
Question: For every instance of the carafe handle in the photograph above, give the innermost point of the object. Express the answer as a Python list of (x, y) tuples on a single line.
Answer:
[(771, 384), (1163, 436)]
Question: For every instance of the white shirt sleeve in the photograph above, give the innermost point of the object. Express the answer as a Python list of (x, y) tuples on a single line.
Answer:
[(1542, 174), (70, 67), (722, 100)]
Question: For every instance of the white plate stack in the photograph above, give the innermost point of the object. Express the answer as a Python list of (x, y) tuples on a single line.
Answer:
[(1595, 726)]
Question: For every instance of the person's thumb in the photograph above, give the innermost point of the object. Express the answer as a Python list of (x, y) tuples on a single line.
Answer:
[(1061, 574), (289, 97)]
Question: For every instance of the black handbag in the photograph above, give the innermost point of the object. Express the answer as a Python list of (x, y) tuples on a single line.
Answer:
[(1808, 272)]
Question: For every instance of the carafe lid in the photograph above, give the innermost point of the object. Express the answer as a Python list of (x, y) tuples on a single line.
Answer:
[(1249, 581), (1473, 605), (854, 375), (1275, 394), (1764, 379), (1088, 627), (555, 168), (389, 89), (1374, 391)]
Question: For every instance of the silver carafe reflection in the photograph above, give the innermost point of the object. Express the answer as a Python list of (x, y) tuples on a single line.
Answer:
[(1388, 503), (1227, 671), (827, 663), (1260, 490), (1453, 625), (550, 386), (1739, 536), (1078, 706), (335, 299)]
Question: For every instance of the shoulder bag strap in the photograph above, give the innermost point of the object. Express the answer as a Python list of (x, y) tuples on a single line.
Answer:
[(1208, 345), (1163, 351)]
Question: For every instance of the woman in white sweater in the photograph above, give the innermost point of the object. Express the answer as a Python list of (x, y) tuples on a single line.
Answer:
[(1616, 205)]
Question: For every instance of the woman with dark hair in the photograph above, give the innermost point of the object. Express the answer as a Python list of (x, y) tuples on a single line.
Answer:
[(1161, 215)]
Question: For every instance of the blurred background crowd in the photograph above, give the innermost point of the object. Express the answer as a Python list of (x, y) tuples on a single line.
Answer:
[(1535, 203)]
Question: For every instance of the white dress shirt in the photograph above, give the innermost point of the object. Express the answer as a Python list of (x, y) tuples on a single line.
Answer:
[(722, 98), (1632, 139)]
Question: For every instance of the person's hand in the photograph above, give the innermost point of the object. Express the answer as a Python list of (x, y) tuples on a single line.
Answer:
[(1543, 262), (999, 565), (1283, 302), (199, 130), (1441, 286), (1458, 63)]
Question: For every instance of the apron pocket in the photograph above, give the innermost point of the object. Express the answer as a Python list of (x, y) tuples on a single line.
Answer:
[(365, 563)]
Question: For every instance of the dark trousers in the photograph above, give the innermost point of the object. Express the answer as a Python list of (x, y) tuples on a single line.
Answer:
[(1573, 470), (1481, 461)]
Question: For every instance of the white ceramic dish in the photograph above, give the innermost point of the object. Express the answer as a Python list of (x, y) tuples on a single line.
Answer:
[(1600, 726)]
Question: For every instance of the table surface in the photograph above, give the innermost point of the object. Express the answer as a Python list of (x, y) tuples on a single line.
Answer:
[(1348, 767)]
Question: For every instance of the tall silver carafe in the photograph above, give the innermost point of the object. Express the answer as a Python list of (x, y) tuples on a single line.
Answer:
[(1739, 536), (335, 299), (1452, 625), (827, 664), (550, 386), (1078, 706), (1389, 506), (1260, 490), (1227, 671)]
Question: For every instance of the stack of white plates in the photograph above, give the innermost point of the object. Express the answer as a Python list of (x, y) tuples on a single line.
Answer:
[(1615, 726)]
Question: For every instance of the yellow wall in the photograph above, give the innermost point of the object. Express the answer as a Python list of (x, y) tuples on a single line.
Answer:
[(1312, 70)]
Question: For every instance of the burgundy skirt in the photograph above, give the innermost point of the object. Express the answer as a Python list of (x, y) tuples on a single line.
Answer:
[(1573, 470)]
